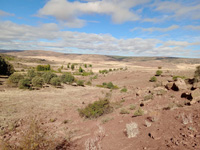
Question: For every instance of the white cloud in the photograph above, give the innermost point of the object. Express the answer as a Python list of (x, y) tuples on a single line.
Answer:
[(3, 13), (50, 37), (179, 10), (192, 27), (69, 12), (153, 29)]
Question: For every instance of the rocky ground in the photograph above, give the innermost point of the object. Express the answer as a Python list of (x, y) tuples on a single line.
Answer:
[(169, 119)]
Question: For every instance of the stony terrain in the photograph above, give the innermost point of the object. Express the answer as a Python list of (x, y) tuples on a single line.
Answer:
[(171, 108)]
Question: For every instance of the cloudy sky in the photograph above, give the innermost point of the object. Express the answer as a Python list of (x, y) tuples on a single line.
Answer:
[(111, 27)]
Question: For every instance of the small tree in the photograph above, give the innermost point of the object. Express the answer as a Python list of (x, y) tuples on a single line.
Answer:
[(5, 67)]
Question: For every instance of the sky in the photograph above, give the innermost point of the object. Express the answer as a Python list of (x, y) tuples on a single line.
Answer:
[(168, 28)]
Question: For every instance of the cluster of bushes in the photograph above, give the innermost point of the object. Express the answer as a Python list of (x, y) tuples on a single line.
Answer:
[(5, 67), (154, 79), (96, 109), (43, 68), (105, 71), (109, 85), (84, 73), (38, 79)]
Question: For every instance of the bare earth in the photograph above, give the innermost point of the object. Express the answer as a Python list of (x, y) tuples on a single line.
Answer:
[(167, 130)]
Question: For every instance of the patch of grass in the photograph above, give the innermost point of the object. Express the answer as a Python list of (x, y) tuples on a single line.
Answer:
[(124, 111), (80, 83), (138, 112), (106, 119), (96, 109), (148, 97), (124, 89), (176, 77), (132, 107), (158, 72), (153, 79)]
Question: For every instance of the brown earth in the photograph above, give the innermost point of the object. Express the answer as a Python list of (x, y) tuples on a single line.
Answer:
[(167, 122)]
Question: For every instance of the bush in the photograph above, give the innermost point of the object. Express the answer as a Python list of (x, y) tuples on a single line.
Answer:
[(67, 78), (88, 83), (24, 84), (96, 109), (38, 81), (80, 83), (85, 65), (138, 112), (124, 111), (176, 77), (153, 79), (47, 76), (158, 72), (72, 66), (31, 73), (132, 107), (5, 67), (15, 78), (111, 86), (124, 90), (55, 81), (43, 68)]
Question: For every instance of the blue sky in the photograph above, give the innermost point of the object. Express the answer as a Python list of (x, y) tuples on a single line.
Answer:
[(111, 27)]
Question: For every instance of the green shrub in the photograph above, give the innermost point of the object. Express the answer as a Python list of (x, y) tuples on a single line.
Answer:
[(138, 112), (80, 83), (90, 65), (176, 77), (24, 84), (197, 74), (110, 85), (43, 68), (47, 76), (38, 81), (148, 97), (158, 72), (5, 67), (124, 111), (153, 79), (110, 70), (31, 73), (55, 81), (80, 69), (72, 66), (103, 71), (132, 107), (88, 83), (87, 73), (124, 90), (67, 78), (85, 65), (96, 109), (15, 78)]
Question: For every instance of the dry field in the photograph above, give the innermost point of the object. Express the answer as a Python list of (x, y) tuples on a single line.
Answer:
[(168, 122)]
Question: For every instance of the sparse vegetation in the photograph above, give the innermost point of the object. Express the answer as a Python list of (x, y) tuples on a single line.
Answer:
[(158, 72), (176, 77), (43, 68), (15, 78), (55, 81), (24, 83), (38, 81), (124, 111), (138, 112), (153, 79), (124, 89), (96, 109), (5, 67)]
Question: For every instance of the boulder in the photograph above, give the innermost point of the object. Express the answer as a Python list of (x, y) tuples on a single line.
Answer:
[(179, 85), (196, 95), (132, 129), (169, 85), (159, 91)]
